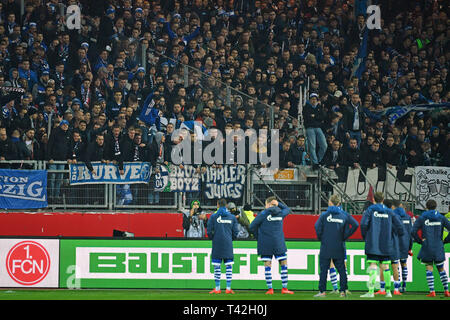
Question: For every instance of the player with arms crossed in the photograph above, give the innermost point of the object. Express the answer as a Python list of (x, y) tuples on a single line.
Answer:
[(432, 223), (333, 228), (222, 229), (377, 227), (267, 228)]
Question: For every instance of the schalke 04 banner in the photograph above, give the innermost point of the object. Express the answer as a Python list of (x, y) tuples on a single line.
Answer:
[(23, 189), (433, 183), (134, 172)]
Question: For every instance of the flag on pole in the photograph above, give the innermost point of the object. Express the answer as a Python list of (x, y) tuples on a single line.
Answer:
[(150, 114)]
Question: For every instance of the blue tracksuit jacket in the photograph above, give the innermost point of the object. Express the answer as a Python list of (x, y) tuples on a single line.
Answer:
[(432, 224), (405, 241), (222, 229), (333, 227), (267, 228), (378, 225)]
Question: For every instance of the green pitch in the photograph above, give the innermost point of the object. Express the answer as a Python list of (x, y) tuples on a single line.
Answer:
[(171, 294)]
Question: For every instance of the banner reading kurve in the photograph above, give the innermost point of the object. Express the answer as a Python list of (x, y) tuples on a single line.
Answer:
[(134, 172)]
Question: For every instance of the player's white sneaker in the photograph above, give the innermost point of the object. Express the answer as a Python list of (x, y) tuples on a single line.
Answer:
[(320, 295), (368, 295), (388, 294), (334, 292)]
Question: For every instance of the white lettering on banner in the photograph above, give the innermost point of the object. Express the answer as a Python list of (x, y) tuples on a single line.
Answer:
[(134, 172), (225, 182), (110, 173), (17, 191), (14, 179), (35, 192)]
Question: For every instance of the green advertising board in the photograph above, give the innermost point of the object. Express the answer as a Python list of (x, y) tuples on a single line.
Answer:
[(133, 263)]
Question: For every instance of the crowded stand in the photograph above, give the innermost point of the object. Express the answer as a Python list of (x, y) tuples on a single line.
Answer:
[(77, 95)]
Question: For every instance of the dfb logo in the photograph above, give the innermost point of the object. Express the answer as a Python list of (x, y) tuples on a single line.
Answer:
[(28, 263)]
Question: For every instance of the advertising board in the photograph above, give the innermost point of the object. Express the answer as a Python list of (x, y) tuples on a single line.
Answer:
[(186, 264), (29, 263)]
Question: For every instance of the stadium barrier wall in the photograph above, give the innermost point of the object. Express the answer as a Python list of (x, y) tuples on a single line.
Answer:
[(141, 224), (164, 264)]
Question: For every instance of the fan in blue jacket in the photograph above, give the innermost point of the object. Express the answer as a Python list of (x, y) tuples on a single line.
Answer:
[(378, 225), (405, 241), (267, 228), (432, 225), (222, 228), (333, 228)]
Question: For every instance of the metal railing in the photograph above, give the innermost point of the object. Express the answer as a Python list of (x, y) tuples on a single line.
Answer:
[(306, 191)]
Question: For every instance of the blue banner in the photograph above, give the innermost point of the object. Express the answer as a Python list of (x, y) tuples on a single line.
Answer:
[(134, 172), (23, 189)]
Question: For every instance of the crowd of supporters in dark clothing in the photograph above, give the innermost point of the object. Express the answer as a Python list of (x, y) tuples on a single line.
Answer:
[(78, 94)]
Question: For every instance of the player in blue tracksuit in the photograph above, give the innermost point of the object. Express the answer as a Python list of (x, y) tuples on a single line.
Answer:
[(333, 228), (267, 228), (378, 225), (432, 224), (405, 241), (222, 228), (394, 258)]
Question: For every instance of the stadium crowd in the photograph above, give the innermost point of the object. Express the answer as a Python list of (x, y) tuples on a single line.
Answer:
[(80, 93)]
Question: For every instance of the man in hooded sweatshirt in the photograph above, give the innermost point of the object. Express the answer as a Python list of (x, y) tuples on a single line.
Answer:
[(267, 228), (333, 228), (432, 252), (378, 226), (222, 228)]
